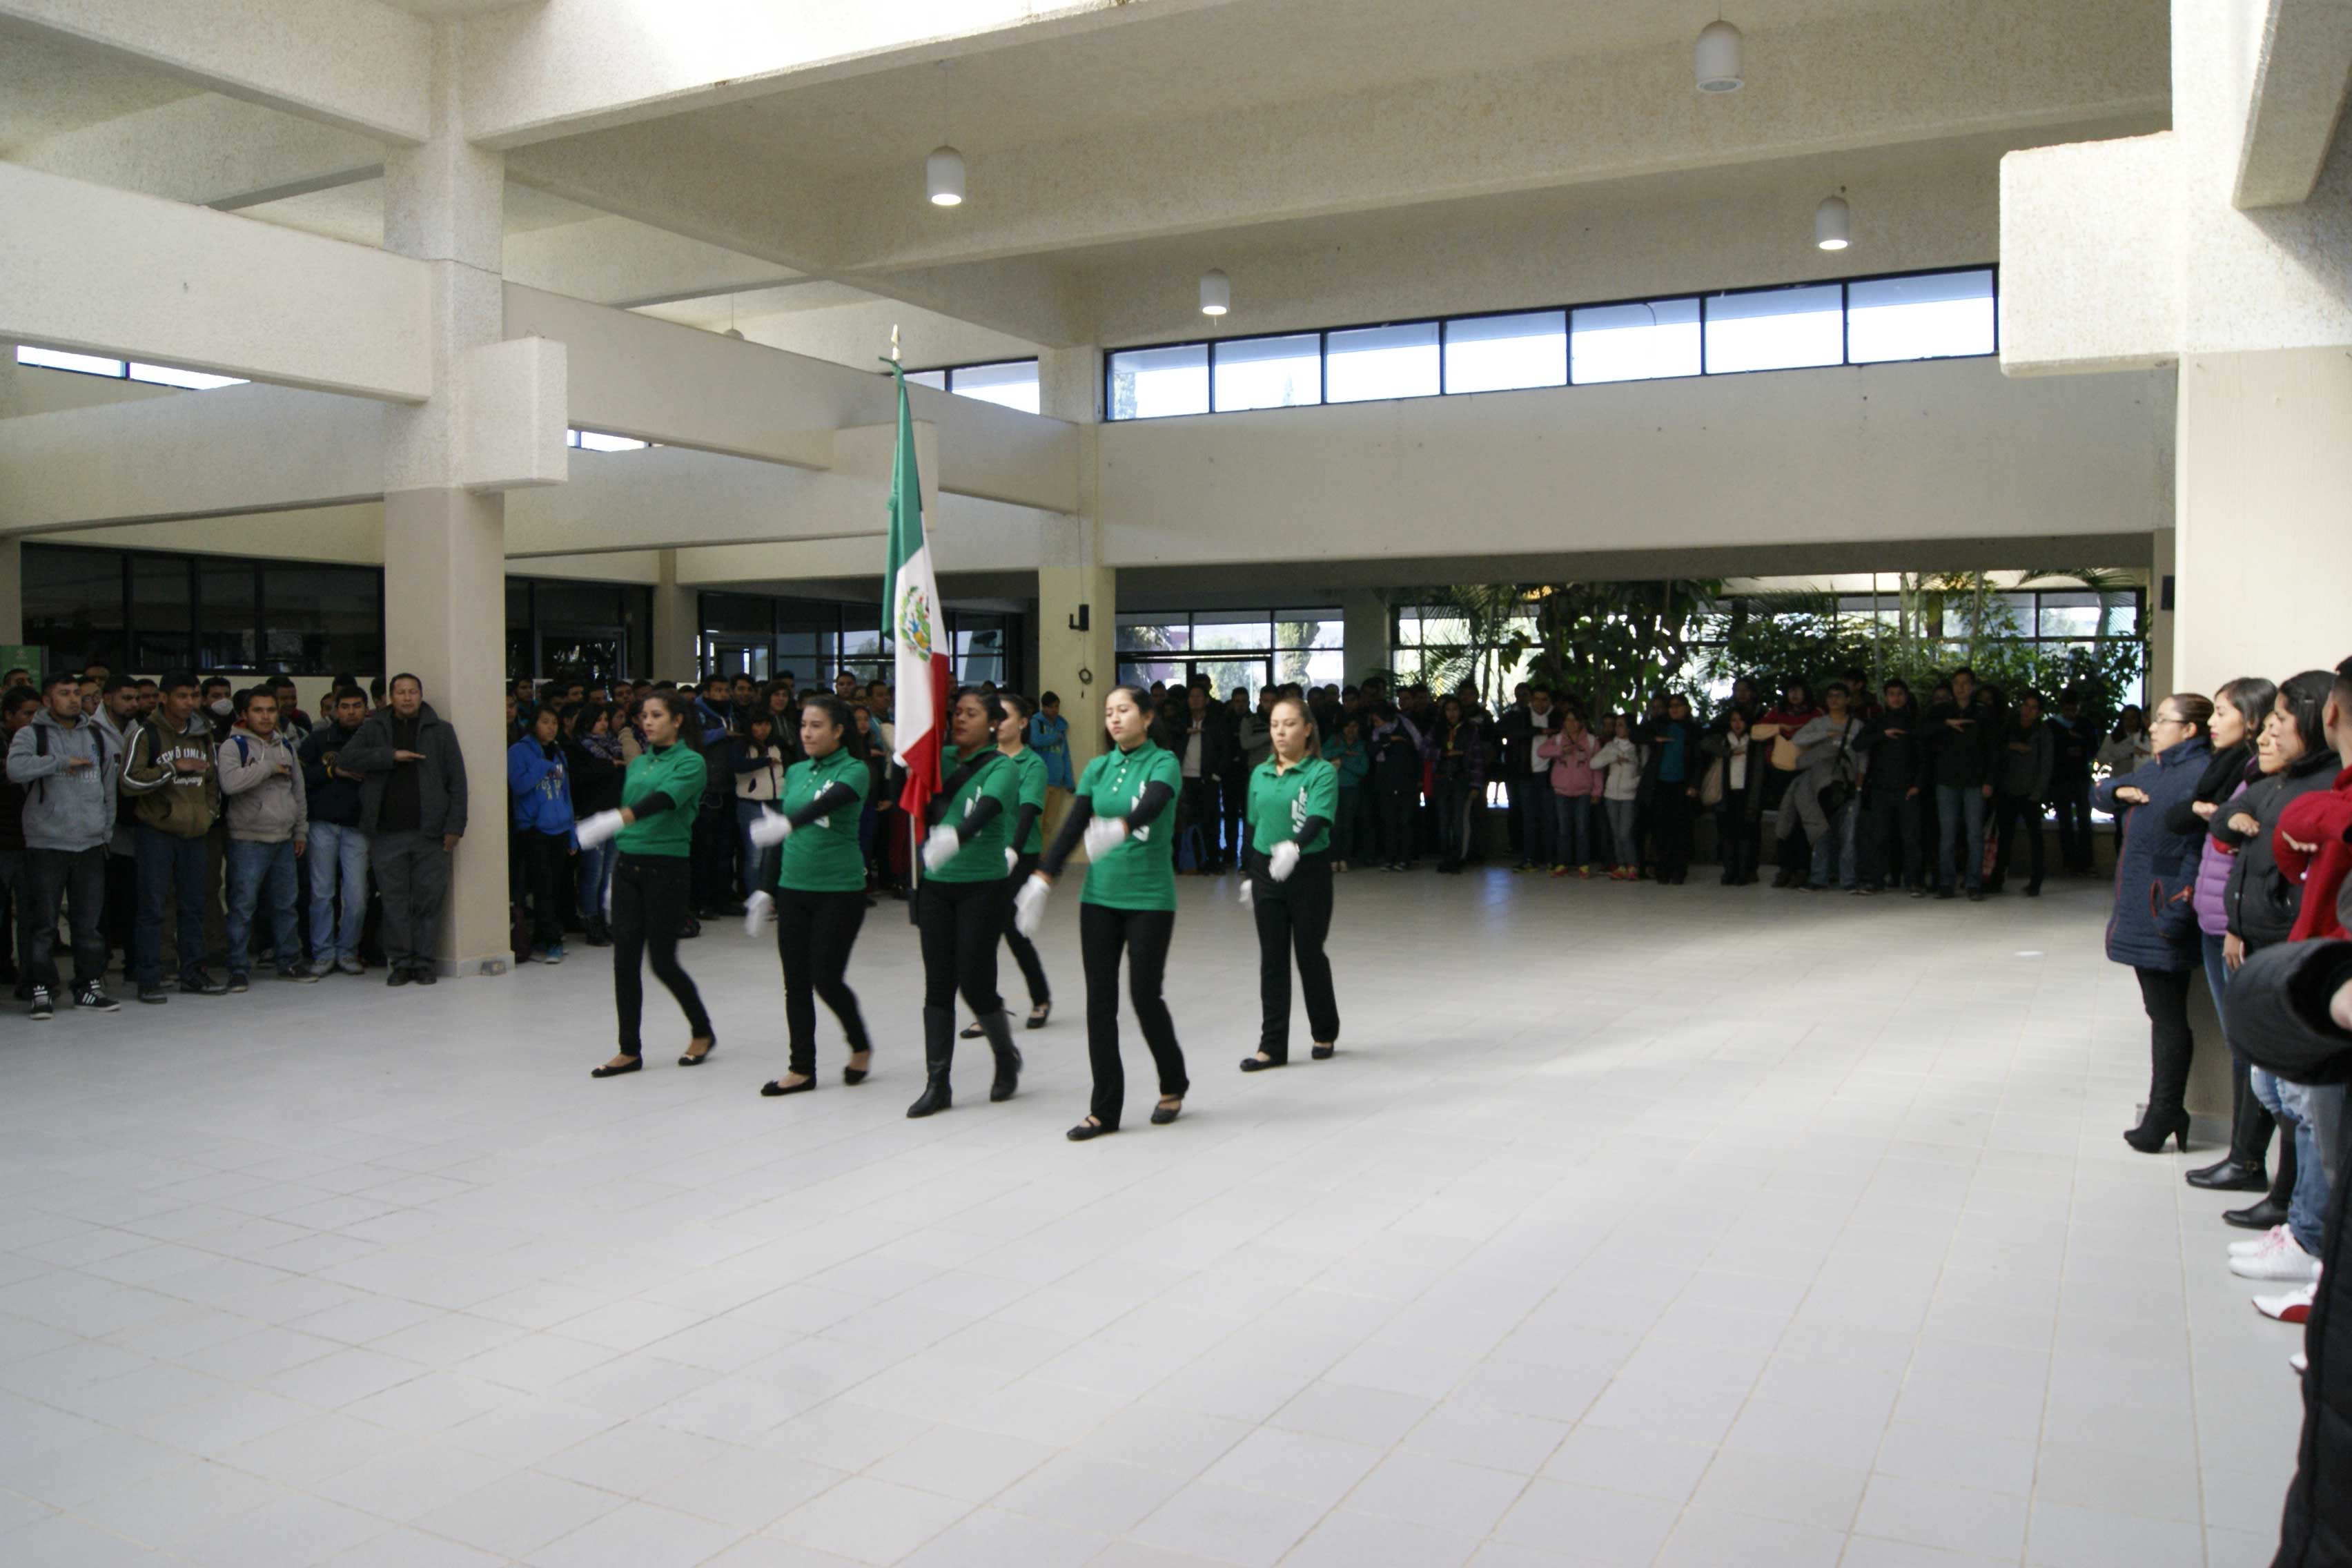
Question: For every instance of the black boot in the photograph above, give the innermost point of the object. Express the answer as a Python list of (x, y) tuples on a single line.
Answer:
[(2270, 1208), (998, 1027), (599, 934), (2157, 1126), (939, 1056)]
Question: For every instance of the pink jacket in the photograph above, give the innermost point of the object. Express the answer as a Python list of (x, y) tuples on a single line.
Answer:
[(1571, 765)]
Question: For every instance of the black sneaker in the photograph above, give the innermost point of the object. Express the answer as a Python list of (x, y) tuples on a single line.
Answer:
[(43, 1009), (399, 976), (200, 983), (424, 974), (155, 994), (237, 981), (93, 998)]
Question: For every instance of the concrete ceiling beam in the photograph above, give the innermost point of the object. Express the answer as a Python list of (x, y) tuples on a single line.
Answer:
[(2301, 81)]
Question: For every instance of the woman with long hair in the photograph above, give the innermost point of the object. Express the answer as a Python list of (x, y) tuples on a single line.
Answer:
[(593, 756), (820, 882), (1028, 842), (1128, 906), (960, 906), (1293, 798), (539, 783), (2153, 929), (1456, 762), (652, 881)]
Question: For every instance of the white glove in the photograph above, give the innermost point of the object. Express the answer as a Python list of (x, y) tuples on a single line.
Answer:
[(1249, 900), (770, 828), (941, 848), (595, 830), (1011, 859), (758, 910), (1103, 834), (1029, 904), (1284, 860)]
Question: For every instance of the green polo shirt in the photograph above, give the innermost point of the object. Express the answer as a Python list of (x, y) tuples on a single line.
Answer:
[(1139, 874), (1031, 773), (823, 857), (981, 859), (677, 773), (1280, 802)]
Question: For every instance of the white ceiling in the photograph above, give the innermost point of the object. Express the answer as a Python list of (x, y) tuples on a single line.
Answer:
[(46, 90), (356, 212)]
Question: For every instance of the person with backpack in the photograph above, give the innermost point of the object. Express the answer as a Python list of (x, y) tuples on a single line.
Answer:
[(540, 784), (66, 765), (268, 830), (338, 857), (170, 768)]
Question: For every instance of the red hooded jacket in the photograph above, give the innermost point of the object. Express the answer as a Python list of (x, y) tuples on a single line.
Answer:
[(2322, 819)]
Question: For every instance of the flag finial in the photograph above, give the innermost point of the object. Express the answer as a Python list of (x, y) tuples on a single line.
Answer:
[(894, 343)]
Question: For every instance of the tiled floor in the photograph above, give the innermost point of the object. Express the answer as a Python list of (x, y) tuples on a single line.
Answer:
[(1632, 1225)]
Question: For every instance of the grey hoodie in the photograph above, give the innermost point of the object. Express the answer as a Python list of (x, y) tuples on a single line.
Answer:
[(64, 808), (261, 788)]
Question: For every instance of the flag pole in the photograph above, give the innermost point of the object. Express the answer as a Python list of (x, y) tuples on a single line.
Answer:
[(914, 827)]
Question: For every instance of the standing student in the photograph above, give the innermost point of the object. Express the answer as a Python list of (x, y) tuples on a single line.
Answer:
[(1049, 737), (2072, 744), (1396, 783), (1287, 883), (1457, 761), (1574, 784), (67, 767), (1734, 767), (1893, 848), (268, 831), (412, 805), (1128, 906), (1670, 772), (338, 856), (1353, 762), (1963, 746), (1028, 843), (756, 758), (17, 704), (960, 905), (172, 773), (593, 767), (661, 797), (541, 787), (1619, 761), (820, 894)]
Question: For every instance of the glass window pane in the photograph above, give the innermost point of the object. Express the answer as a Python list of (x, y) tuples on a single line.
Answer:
[(1941, 314), (226, 635), (937, 380), (323, 620), (1142, 672), (1227, 675), (73, 605), (1491, 353), (2077, 614), (1153, 633), (58, 359), (1634, 343), (1151, 384), (1305, 666), (736, 614), (1774, 329), (597, 441), (1229, 629), (1269, 373), (172, 376), (1013, 385), (1381, 362), (574, 606), (1308, 628)]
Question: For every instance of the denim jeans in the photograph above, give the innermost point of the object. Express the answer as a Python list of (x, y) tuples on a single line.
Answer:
[(1622, 832), (1571, 830), (1958, 805), (337, 866), (253, 867), (594, 872), (1835, 854), (759, 869), (169, 865), (2314, 1114)]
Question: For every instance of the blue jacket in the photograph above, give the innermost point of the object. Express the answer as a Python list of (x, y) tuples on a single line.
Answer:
[(542, 789), (1050, 739), (2148, 848)]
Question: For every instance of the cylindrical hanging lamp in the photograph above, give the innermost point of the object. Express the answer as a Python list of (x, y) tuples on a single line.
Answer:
[(943, 177), (1719, 58), (1217, 293), (1832, 228)]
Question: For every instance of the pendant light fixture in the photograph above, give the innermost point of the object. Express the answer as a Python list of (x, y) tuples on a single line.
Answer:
[(943, 170), (1833, 226), (1217, 293), (1719, 58)]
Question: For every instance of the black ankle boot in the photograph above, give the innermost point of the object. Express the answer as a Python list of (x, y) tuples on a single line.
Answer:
[(939, 1056), (2229, 1176), (2156, 1127), (2260, 1214), (998, 1027)]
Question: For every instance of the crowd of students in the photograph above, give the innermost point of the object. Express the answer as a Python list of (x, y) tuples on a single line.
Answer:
[(135, 809)]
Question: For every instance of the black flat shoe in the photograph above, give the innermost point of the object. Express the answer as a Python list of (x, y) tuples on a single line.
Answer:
[(1260, 1064), (691, 1060), (1039, 1014), (853, 1075), (2229, 1176), (1161, 1115), (973, 1031), (1324, 1053), (632, 1064), (775, 1087), (2259, 1215), (1088, 1129)]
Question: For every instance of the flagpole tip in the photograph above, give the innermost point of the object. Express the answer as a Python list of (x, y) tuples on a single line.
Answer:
[(894, 343)]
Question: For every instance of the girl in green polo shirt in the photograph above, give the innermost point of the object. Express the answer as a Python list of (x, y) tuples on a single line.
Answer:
[(651, 882), (1128, 905), (1028, 843), (1294, 796), (820, 894), (960, 906)]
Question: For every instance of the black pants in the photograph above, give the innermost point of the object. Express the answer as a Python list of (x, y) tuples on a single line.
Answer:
[(1293, 918), (1452, 807), (2069, 802), (1671, 810), (78, 878), (2164, 994), (1232, 789), (712, 885), (1025, 952), (547, 872), (960, 922), (814, 933), (650, 893), (1735, 837), (2015, 814), (412, 870), (1200, 814), (1893, 849), (1396, 803), (1143, 934)]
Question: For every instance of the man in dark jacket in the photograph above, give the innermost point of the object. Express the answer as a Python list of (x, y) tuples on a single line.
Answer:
[(16, 706), (1203, 749), (338, 850), (413, 810), (1962, 749), (1892, 853), (2020, 783), (2074, 743)]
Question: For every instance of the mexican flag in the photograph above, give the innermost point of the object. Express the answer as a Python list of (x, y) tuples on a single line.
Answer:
[(911, 619)]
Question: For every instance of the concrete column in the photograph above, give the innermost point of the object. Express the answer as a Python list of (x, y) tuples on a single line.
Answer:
[(2161, 570), (445, 545), (676, 618), (12, 590), (1365, 632), (1078, 666)]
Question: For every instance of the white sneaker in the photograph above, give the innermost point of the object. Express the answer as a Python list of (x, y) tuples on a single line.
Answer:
[(2295, 1307), (758, 910), (2262, 1243), (2300, 1362), (2287, 1262)]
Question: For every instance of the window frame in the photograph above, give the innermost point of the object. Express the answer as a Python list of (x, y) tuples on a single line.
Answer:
[(947, 374)]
